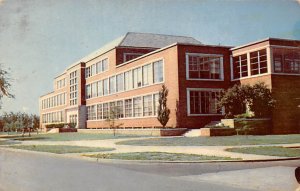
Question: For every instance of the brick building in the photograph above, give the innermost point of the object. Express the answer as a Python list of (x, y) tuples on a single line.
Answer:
[(127, 74)]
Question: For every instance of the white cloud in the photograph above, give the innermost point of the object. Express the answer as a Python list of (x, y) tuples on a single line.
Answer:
[(1, 1), (25, 109)]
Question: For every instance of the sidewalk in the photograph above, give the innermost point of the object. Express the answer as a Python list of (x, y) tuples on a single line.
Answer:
[(200, 150)]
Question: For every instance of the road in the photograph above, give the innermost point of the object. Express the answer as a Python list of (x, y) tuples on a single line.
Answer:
[(26, 171)]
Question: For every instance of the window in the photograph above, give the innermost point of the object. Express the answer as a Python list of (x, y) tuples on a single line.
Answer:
[(99, 111), (203, 66), (88, 72), (120, 82), (147, 105), (112, 84), (91, 112), (120, 109), (155, 103), (130, 56), (258, 62), (128, 108), (204, 102), (286, 60), (137, 77), (147, 74), (94, 89), (88, 91), (100, 88), (105, 87), (104, 65), (105, 111), (137, 107), (158, 71), (128, 80), (240, 66), (73, 88)]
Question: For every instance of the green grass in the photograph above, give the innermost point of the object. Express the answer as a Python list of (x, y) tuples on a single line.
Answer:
[(270, 151), (6, 143), (60, 149), (67, 137), (157, 156), (216, 141)]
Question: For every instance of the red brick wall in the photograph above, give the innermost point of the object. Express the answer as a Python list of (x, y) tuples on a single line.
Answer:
[(184, 120)]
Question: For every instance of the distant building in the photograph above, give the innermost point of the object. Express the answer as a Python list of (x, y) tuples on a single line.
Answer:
[(128, 73)]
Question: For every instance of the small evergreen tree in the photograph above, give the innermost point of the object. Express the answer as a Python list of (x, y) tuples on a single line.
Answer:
[(163, 111)]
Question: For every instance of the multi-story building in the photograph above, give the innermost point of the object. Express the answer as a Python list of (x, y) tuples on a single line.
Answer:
[(127, 74)]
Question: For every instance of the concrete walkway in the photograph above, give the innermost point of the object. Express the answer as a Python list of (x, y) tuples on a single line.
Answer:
[(200, 150)]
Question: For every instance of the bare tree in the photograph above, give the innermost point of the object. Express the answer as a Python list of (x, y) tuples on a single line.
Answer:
[(4, 84), (112, 120)]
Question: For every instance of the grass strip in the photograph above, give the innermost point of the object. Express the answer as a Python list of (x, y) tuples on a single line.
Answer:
[(60, 149), (157, 156), (269, 151), (216, 141), (68, 137)]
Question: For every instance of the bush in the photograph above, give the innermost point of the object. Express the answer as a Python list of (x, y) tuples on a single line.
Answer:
[(258, 97)]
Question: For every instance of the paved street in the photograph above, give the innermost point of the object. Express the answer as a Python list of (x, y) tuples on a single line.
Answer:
[(27, 171)]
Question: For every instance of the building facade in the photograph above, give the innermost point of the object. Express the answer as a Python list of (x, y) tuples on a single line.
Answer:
[(126, 75)]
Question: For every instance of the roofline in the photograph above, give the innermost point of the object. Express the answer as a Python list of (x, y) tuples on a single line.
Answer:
[(166, 47), (260, 41)]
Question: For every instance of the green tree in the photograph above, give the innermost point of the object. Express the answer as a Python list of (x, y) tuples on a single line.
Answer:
[(163, 111), (261, 102), (258, 97)]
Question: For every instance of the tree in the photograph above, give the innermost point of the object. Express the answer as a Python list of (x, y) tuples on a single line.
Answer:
[(258, 97), (163, 111), (261, 102), (114, 113), (4, 84)]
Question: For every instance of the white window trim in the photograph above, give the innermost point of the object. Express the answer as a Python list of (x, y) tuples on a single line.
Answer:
[(200, 89), (187, 54)]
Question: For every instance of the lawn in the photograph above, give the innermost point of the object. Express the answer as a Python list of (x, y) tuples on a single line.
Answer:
[(67, 137), (270, 151), (216, 141), (156, 156), (60, 149)]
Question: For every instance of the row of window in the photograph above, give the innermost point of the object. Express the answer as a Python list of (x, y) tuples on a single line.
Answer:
[(204, 66), (204, 102), (73, 88), (54, 101), (53, 117), (127, 108), (60, 83), (142, 76), (286, 61), (130, 56), (257, 60), (96, 68)]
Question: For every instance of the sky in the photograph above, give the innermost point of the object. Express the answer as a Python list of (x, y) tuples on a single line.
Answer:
[(39, 39)]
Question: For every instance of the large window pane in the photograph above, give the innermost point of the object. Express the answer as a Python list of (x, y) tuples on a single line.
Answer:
[(204, 102), (128, 108), (105, 87), (128, 80), (112, 85), (137, 107), (147, 74), (137, 77), (120, 82), (204, 66), (147, 105), (158, 71)]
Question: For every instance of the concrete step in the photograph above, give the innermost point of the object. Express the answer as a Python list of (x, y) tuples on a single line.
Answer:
[(192, 133)]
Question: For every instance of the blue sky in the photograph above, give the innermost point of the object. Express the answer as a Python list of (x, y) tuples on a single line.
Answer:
[(39, 39)]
